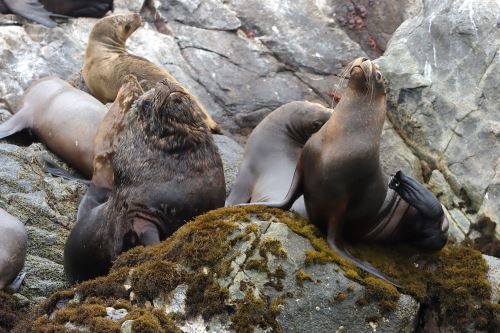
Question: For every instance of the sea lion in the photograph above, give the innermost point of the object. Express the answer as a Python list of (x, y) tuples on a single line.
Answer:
[(41, 11), (339, 174), (107, 61), (13, 246), (167, 170), (64, 118), (272, 152), (110, 130)]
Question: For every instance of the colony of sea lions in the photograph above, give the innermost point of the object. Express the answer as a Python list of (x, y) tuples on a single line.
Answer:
[(153, 164)]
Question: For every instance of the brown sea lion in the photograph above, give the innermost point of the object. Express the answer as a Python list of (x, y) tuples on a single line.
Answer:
[(41, 11), (13, 245), (272, 152), (110, 131), (107, 61), (167, 170), (345, 191), (64, 118)]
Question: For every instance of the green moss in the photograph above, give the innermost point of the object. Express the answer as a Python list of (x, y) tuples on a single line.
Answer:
[(257, 265), (340, 297), (205, 297), (106, 286), (11, 312), (302, 276), (454, 278), (151, 279), (252, 311), (272, 246)]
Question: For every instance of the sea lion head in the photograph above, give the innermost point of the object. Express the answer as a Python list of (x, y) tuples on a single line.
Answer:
[(366, 78), (303, 119), (169, 110), (115, 29)]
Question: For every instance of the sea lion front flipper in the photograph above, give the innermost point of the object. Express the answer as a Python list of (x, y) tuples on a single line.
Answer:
[(147, 232), (293, 194), (414, 193), (33, 10), (336, 243), (15, 285)]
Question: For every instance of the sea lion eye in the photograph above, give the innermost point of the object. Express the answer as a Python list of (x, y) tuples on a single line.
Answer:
[(378, 76), (127, 27), (146, 104)]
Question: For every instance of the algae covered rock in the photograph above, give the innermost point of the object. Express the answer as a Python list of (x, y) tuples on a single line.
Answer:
[(232, 270)]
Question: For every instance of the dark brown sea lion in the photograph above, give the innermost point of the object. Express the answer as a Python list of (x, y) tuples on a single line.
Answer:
[(41, 11), (110, 130), (272, 152), (166, 171), (340, 176), (64, 118), (107, 61), (13, 245)]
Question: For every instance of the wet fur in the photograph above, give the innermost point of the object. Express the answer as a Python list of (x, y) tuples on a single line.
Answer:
[(167, 170)]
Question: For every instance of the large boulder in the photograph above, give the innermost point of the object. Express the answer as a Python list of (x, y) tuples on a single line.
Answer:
[(234, 270), (443, 72)]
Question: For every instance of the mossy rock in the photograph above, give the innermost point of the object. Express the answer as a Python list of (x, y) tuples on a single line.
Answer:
[(202, 279)]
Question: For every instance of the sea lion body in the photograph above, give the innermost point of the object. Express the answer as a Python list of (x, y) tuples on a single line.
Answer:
[(13, 246), (167, 170), (272, 152), (107, 61), (340, 175), (64, 118)]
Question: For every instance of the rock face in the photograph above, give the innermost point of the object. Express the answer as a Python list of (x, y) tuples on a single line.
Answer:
[(234, 270), (443, 95)]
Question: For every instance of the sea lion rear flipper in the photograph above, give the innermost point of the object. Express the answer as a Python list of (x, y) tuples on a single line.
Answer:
[(414, 193), (33, 10), (336, 243), (13, 125), (56, 171)]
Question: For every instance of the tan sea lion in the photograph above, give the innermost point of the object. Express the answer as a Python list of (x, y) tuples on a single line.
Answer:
[(13, 246), (63, 118), (272, 152), (167, 170), (345, 191), (107, 61), (110, 131)]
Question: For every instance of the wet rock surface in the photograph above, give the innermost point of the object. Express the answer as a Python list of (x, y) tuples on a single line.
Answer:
[(443, 95)]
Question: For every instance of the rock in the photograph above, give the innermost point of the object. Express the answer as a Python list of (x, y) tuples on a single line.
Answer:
[(236, 270), (321, 48), (395, 155), (443, 93), (231, 154), (371, 23), (47, 206), (206, 14), (240, 73)]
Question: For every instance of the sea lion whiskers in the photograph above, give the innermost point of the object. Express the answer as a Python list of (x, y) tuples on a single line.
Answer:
[(343, 77)]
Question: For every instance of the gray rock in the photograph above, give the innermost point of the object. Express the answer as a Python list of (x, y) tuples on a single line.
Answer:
[(299, 33), (206, 14), (443, 93), (240, 73), (395, 155), (231, 154), (47, 206)]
